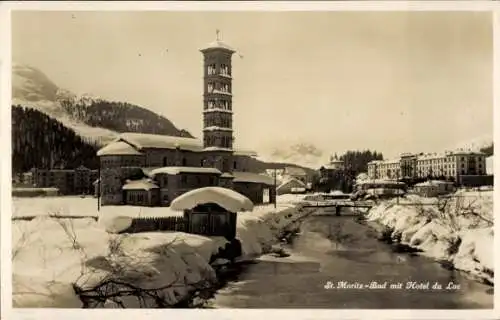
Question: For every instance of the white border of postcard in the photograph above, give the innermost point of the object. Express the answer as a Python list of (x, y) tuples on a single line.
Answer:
[(5, 200)]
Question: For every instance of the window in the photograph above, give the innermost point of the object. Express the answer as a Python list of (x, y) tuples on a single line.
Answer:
[(184, 179), (234, 164), (184, 162), (164, 161)]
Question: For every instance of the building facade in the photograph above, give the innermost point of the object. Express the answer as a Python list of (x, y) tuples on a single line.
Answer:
[(210, 162), (448, 165), (67, 181)]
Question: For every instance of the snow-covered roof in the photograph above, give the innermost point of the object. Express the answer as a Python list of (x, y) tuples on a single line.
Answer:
[(431, 156), (218, 44), (240, 176), (217, 149), (118, 148), (241, 152), (432, 183), (143, 184), (215, 128), (226, 198), (157, 141), (378, 181), (291, 180), (178, 170), (227, 175)]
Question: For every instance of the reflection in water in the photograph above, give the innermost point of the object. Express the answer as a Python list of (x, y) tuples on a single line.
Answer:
[(339, 251)]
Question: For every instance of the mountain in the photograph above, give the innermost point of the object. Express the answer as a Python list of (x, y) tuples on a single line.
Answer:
[(42, 142), (90, 117), (302, 153)]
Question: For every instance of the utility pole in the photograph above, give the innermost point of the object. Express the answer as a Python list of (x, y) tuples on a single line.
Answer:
[(275, 182), (99, 187)]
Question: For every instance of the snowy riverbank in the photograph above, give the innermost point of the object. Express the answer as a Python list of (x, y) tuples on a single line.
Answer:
[(53, 257), (457, 230)]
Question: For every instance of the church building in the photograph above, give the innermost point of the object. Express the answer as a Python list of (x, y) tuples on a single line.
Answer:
[(150, 169)]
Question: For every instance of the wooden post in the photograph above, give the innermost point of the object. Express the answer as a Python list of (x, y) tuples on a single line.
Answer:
[(99, 187), (275, 182)]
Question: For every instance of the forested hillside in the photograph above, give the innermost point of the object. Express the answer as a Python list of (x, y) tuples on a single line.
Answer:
[(42, 142), (120, 117)]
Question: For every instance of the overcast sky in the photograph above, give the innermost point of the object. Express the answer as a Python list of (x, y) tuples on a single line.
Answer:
[(390, 81)]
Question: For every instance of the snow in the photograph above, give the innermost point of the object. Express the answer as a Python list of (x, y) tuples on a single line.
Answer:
[(118, 148), (53, 109), (215, 128), (143, 184), (217, 149), (226, 198), (53, 254), (423, 226), (81, 207), (157, 141), (240, 176), (490, 165), (218, 44), (178, 170)]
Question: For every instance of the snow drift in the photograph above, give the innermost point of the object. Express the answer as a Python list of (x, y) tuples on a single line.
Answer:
[(458, 230), (51, 256)]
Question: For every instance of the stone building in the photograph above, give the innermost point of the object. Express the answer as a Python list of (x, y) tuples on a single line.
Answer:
[(179, 164), (448, 165), (67, 181)]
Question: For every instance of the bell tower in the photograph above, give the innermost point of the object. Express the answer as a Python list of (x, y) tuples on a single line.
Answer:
[(217, 96)]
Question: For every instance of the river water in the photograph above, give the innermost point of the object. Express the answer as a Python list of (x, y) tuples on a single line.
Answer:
[(335, 262)]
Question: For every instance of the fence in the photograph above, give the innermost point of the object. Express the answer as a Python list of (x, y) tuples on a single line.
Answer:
[(156, 224)]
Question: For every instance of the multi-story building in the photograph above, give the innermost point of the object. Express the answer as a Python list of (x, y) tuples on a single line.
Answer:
[(67, 181), (133, 152), (448, 165)]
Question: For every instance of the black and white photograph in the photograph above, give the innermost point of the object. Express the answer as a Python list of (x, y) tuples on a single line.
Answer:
[(250, 159)]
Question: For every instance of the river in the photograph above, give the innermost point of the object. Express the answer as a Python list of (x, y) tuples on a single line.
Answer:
[(333, 263)]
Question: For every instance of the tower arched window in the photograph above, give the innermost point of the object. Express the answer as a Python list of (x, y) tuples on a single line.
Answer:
[(184, 162), (164, 161)]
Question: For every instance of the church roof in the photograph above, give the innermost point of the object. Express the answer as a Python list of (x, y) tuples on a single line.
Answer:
[(178, 170), (218, 44), (250, 177), (118, 148), (158, 141)]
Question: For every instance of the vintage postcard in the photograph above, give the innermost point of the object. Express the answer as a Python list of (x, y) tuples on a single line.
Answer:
[(335, 159)]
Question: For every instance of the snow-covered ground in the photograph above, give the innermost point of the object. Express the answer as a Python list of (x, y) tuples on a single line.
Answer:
[(460, 233), (50, 255)]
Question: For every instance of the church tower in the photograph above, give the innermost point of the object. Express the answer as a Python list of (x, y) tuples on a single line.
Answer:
[(217, 104)]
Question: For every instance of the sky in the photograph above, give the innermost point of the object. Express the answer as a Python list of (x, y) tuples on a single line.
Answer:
[(387, 81)]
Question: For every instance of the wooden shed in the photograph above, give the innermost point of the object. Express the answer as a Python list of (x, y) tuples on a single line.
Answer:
[(212, 211)]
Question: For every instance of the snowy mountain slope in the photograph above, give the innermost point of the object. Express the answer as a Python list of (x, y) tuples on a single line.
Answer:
[(90, 117), (33, 89)]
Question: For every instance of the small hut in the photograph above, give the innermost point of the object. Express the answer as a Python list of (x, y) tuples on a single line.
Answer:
[(212, 211), (291, 185)]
